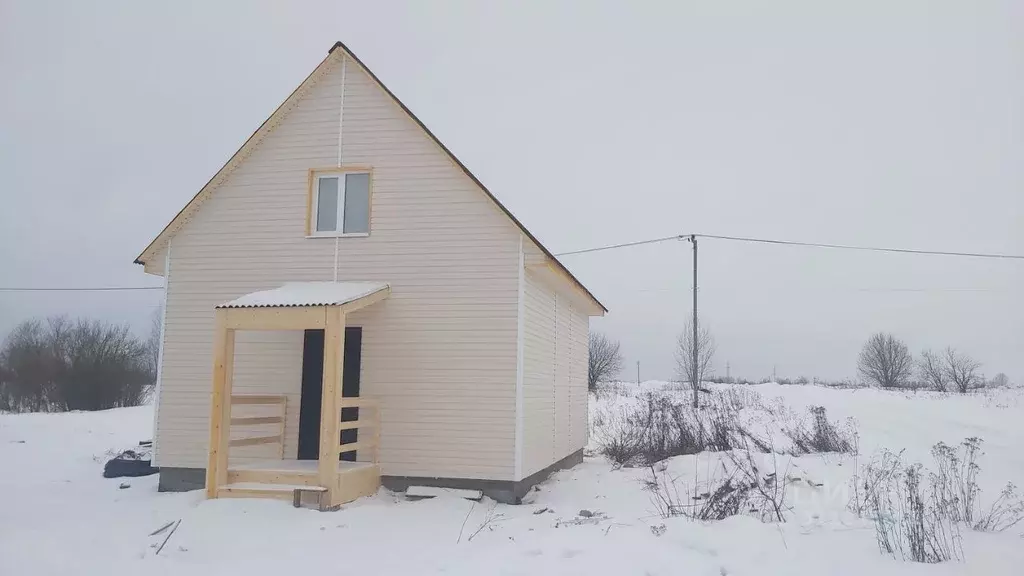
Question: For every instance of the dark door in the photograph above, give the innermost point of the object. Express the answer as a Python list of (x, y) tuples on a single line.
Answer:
[(312, 387), (350, 385)]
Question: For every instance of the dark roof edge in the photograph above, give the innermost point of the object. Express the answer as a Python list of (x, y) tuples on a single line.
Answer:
[(463, 167)]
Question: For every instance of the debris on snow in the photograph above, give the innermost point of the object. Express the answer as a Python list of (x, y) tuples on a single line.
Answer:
[(131, 463), (162, 528), (169, 534)]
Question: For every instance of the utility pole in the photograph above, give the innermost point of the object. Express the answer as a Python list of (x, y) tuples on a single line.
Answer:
[(727, 378), (637, 372), (696, 371)]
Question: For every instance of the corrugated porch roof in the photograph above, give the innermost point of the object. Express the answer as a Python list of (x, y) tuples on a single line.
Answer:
[(308, 294)]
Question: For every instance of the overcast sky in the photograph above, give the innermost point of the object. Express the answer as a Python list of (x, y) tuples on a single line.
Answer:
[(881, 123)]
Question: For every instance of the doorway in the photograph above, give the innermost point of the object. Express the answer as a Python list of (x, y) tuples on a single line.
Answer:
[(312, 387)]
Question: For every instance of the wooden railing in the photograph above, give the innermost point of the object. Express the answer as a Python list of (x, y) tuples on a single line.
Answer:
[(369, 417), (277, 403)]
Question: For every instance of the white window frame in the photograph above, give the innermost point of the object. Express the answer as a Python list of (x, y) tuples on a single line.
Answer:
[(342, 177)]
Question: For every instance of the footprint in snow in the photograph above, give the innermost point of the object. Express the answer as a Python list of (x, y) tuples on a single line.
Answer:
[(571, 553)]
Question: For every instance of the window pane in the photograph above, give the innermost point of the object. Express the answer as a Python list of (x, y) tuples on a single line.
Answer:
[(327, 205), (357, 203)]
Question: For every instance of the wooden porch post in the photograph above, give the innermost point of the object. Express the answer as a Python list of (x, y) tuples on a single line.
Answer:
[(330, 401), (220, 404)]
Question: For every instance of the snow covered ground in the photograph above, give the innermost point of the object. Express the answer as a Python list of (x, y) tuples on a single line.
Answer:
[(59, 516)]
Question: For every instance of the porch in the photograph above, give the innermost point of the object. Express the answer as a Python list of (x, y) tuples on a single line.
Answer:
[(300, 306)]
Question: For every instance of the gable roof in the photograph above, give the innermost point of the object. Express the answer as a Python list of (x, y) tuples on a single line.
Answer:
[(182, 216)]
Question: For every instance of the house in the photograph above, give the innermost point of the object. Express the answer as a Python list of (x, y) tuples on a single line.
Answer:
[(345, 291)]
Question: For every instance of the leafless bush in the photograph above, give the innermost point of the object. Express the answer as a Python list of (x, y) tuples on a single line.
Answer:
[(924, 525), (873, 480), (931, 370), (841, 384), (885, 361), (28, 369), (907, 523), (955, 479), (82, 365), (664, 493), (929, 535), (660, 426), (822, 436), (740, 487), (955, 485), (768, 490), (622, 443), (718, 499), (736, 399), (695, 350), (152, 342), (1000, 381), (605, 359), (962, 371), (1006, 511)]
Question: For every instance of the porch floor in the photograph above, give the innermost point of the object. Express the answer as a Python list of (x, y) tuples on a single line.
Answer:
[(278, 478)]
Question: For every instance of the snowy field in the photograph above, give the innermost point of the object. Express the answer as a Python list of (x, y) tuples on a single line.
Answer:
[(59, 516)]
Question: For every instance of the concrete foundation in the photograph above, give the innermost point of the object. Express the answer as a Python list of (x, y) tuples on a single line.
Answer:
[(505, 491)]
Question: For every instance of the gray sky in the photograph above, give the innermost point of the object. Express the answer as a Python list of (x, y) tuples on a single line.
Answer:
[(882, 123)]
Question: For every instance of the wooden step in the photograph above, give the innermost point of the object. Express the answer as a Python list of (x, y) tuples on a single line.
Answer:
[(293, 477), (259, 490)]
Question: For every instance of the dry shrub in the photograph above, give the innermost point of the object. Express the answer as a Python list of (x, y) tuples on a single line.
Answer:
[(955, 479), (1006, 511), (822, 435), (661, 426), (922, 523), (738, 486), (908, 524)]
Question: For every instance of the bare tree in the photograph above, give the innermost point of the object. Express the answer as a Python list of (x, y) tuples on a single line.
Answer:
[(28, 368), (932, 370), (1001, 381), (605, 359), (687, 351), (65, 365), (152, 343), (885, 361), (962, 371)]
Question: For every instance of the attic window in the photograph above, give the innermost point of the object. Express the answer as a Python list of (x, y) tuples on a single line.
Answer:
[(341, 204)]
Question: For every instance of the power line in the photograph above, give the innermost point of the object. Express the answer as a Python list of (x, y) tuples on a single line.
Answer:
[(613, 247), (806, 244), (79, 289), (865, 248), (627, 244)]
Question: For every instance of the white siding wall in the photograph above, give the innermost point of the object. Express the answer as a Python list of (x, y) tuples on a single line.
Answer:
[(579, 400), (538, 377), (440, 352), (555, 386)]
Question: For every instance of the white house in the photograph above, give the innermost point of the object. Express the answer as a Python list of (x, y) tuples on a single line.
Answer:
[(344, 260)]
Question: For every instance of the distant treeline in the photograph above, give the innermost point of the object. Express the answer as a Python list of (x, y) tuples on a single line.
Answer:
[(60, 364)]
